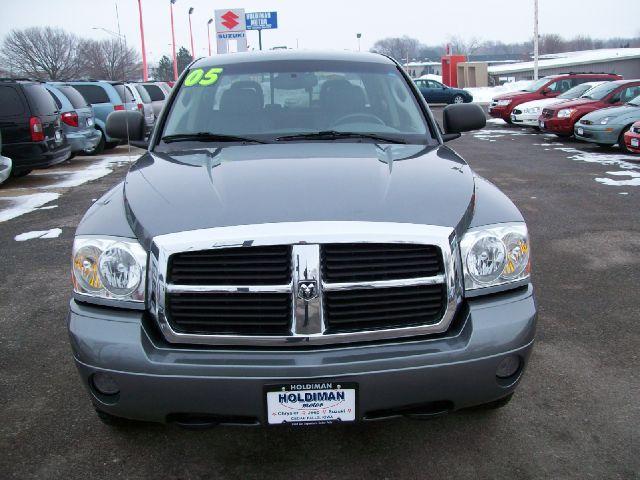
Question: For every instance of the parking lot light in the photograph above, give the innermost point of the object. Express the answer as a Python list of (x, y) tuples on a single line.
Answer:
[(173, 42), (209, 33), (193, 51), (145, 72)]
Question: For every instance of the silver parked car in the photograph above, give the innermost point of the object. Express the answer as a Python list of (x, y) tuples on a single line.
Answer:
[(158, 92), (144, 105), (78, 121)]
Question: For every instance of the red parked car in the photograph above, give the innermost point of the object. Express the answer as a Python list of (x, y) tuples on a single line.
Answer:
[(560, 118), (546, 87), (632, 138)]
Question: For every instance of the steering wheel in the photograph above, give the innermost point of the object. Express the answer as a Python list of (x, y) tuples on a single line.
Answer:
[(353, 117)]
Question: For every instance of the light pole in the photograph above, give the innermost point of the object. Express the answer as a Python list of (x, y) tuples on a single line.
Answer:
[(173, 42), (145, 71), (358, 36), (209, 33), (193, 52), (535, 39)]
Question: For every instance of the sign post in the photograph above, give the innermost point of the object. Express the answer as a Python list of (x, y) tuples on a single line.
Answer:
[(261, 21), (230, 25)]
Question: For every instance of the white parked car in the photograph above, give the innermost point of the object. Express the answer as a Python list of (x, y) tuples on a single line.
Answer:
[(527, 113), (5, 164), (144, 106)]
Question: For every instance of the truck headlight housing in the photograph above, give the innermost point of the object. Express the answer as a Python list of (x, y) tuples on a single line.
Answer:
[(495, 255), (565, 112), (109, 268)]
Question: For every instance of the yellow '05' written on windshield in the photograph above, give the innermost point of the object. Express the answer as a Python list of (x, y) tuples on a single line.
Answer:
[(200, 77)]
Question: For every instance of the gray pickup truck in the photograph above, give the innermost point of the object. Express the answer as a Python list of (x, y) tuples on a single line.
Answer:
[(298, 246)]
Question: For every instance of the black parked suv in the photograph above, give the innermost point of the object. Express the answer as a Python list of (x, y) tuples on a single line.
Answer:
[(30, 124)]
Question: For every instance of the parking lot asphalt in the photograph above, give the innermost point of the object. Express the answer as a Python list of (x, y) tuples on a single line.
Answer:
[(575, 415)]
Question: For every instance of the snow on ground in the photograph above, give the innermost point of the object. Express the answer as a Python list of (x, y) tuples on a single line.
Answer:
[(60, 179), (485, 94), (53, 233), (26, 203), (431, 76)]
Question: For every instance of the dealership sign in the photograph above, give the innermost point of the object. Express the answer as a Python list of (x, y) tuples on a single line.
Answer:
[(261, 20), (231, 26)]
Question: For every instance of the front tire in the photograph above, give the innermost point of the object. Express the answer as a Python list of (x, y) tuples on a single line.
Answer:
[(621, 144), (111, 145), (458, 99)]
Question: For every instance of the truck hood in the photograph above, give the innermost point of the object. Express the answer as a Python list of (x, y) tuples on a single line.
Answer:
[(296, 182), (626, 112)]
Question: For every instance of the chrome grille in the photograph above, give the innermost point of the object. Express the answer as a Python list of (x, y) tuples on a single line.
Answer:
[(344, 282), (369, 309), (357, 262)]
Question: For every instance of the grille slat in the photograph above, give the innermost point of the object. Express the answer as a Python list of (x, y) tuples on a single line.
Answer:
[(230, 313), (266, 265), (395, 307), (360, 262)]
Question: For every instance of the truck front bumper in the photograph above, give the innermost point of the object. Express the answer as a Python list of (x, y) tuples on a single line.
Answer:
[(161, 382)]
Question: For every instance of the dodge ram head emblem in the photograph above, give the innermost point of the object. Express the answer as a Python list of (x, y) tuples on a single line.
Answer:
[(307, 290)]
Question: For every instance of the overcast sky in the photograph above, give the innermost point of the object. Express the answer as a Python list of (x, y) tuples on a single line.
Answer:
[(331, 24)]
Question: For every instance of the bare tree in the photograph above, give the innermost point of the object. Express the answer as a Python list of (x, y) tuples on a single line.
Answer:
[(552, 43), (43, 53), (464, 46), (109, 60), (401, 48)]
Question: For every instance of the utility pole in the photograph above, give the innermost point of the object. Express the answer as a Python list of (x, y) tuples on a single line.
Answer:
[(145, 71), (209, 34), (535, 39), (358, 36), (173, 38)]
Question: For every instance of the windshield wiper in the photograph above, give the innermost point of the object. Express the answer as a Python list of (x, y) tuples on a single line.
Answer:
[(207, 137), (337, 135)]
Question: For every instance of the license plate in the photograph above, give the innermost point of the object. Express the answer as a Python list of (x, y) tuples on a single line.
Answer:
[(580, 131), (311, 403), (635, 142), (58, 136), (89, 122), (541, 124)]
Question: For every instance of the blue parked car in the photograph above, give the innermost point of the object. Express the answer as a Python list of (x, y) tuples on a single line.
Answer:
[(104, 98), (77, 118), (435, 92)]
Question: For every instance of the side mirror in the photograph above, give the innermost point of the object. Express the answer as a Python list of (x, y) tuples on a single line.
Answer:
[(462, 117), (125, 125), (545, 91)]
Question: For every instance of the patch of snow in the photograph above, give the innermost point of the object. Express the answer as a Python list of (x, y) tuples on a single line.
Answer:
[(25, 204), (431, 76), (623, 193), (92, 172), (53, 233), (485, 94), (48, 208), (633, 181)]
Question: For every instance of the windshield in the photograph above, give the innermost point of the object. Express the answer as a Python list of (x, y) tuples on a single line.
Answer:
[(537, 85), (266, 101), (577, 91), (601, 91), (635, 102)]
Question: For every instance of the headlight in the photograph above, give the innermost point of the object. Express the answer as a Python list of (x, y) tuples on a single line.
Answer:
[(565, 112), (109, 268), (605, 120), (503, 103), (495, 255), (532, 110)]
